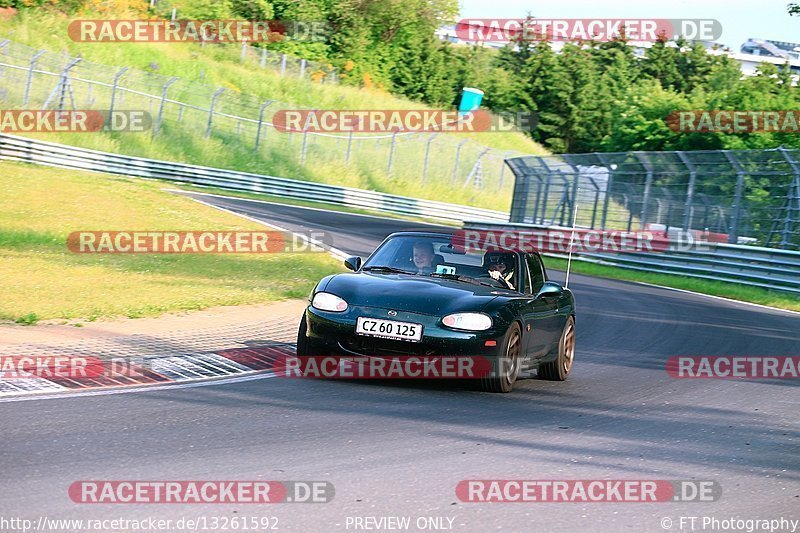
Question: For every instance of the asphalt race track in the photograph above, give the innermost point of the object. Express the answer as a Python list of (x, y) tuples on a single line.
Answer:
[(399, 449)]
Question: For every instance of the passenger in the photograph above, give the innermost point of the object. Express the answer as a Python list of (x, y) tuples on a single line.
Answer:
[(497, 271)]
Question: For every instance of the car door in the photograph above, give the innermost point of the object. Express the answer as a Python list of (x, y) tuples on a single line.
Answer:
[(541, 313)]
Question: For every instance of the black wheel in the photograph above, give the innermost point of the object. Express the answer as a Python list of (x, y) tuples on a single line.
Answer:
[(558, 369), (302, 339), (505, 366)]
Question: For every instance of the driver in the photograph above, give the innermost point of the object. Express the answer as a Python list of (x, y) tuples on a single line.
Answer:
[(424, 257)]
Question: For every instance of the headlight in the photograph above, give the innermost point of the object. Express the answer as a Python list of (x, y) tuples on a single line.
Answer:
[(468, 321), (326, 301)]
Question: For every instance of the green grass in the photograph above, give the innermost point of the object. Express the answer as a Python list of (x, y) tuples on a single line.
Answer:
[(715, 288), (40, 279), (220, 66)]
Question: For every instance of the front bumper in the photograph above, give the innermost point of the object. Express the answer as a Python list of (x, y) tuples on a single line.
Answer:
[(335, 334)]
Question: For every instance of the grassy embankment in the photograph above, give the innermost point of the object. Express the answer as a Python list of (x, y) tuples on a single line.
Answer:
[(41, 279), (220, 66)]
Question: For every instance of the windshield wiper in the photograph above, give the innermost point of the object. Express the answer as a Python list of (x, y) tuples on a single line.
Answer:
[(392, 270)]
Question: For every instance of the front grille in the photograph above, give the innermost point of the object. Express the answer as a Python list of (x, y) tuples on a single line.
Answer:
[(384, 347)]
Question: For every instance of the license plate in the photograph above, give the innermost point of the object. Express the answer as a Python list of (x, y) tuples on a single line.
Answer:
[(389, 329)]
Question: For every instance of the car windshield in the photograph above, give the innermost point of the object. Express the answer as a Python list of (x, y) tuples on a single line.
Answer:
[(437, 256)]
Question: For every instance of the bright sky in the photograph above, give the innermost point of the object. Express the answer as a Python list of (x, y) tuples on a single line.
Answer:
[(740, 19)]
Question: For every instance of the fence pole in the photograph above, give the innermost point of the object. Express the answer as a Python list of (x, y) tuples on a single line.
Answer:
[(30, 77), (733, 234), (349, 146), (263, 57), (163, 102), (610, 168), (503, 169), (648, 183), (476, 170), (545, 193), (303, 149), (431, 138), (211, 111), (63, 84), (244, 50), (792, 195), (302, 67), (455, 165), (391, 153), (305, 137), (283, 64), (117, 76), (260, 122), (688, 208)]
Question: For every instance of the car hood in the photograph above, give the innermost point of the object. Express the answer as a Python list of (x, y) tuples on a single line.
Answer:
[(417, 294)]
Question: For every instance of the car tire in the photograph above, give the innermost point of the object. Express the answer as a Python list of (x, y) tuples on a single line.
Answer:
[(506, 365), (303, 349), (559, 368)]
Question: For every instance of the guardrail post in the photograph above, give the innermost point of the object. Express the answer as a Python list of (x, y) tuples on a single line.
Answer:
[(30, 77), (733, 234), (117, 76), (161, 105), (302, 68), (211, 111), (391, 153), (455, 165), (431, 138), (648, 183), (244, 50), (261, 122), (688, 208), (283, 64), (263, 62)]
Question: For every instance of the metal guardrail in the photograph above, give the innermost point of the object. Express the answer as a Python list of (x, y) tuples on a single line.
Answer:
[(27, 150), (754, 266)]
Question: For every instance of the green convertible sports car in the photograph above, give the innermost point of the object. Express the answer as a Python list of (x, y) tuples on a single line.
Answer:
[(420, 295)]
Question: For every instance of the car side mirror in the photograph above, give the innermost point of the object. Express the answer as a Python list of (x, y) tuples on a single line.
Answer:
[(550, 289), (353, 263)]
